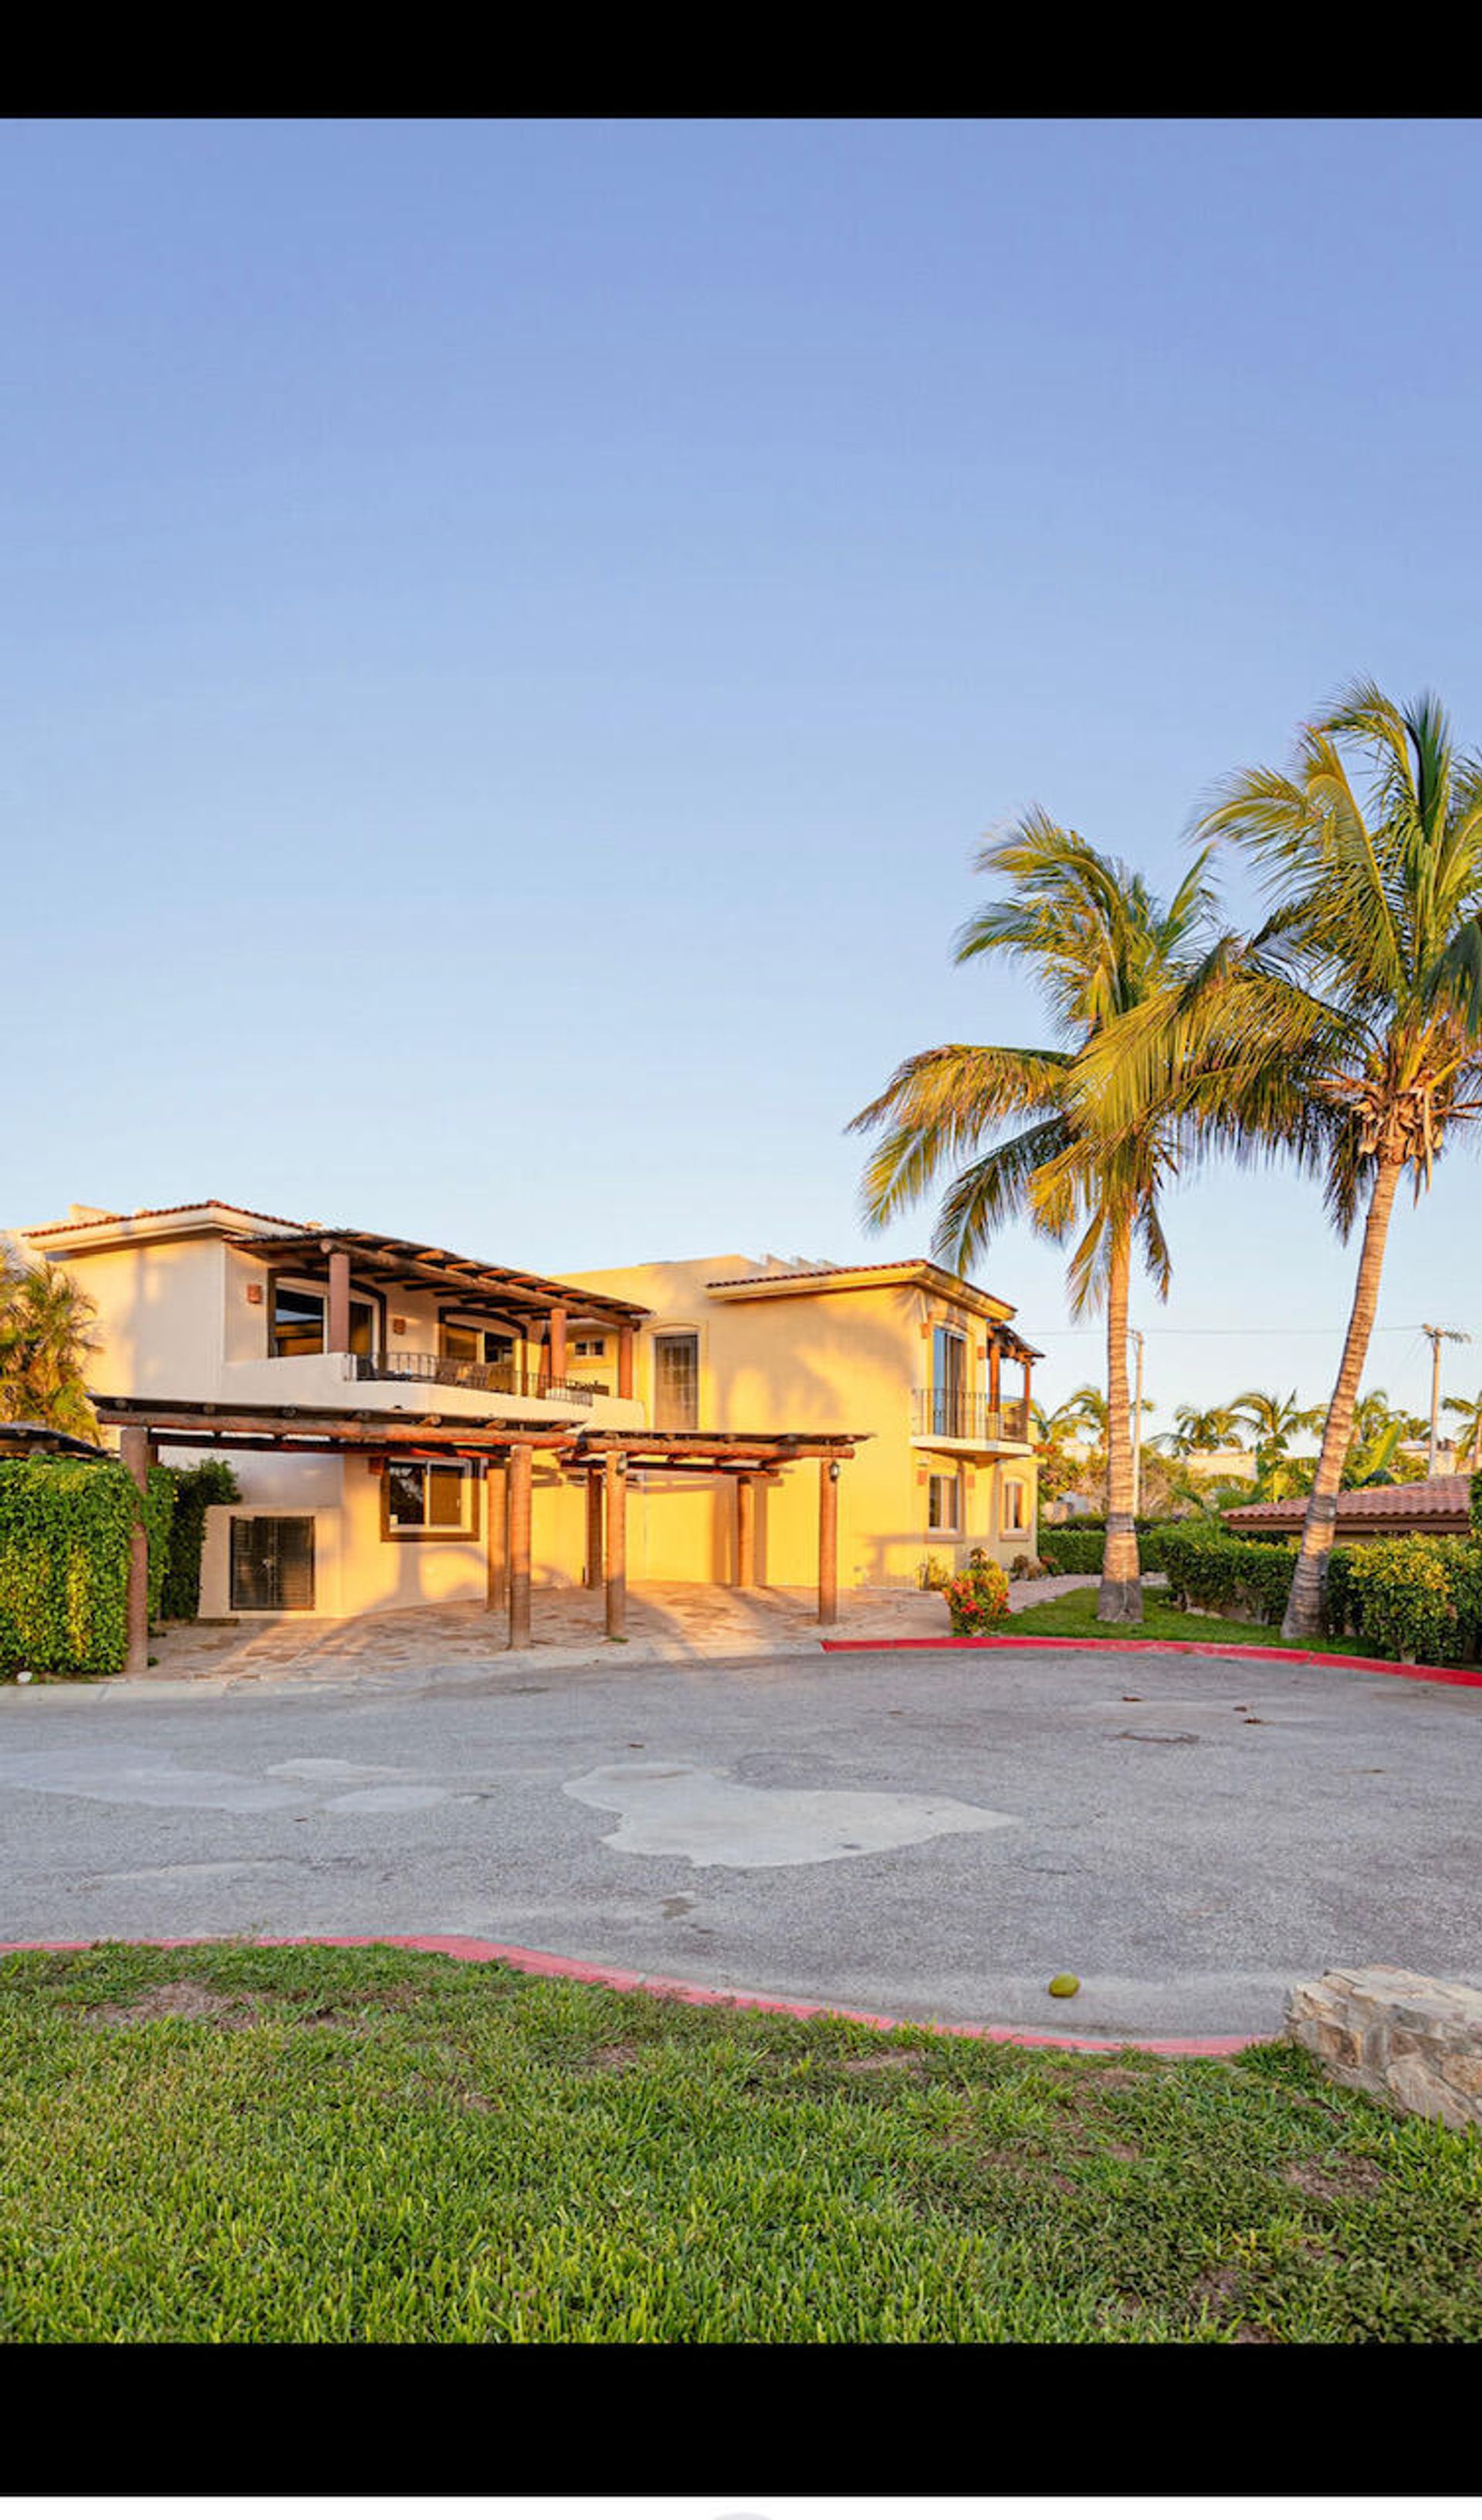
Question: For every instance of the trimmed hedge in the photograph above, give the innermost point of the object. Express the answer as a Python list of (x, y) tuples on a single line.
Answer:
[(210, 1483), (66, 1529), (1418, 1598), (1078, 1547)]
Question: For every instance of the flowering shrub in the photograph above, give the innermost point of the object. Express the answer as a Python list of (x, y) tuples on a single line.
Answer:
[(977, 1600)]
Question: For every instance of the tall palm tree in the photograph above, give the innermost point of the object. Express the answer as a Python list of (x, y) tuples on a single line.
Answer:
[(1468, 1435), (1348, 1031), (44, 1347), (1098, 944)]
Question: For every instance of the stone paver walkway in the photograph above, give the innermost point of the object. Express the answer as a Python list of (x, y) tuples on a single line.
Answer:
[(704, 1623), (666, 1622)]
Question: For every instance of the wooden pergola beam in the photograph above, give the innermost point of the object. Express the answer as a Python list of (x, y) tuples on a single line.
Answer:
[(615, 1521), (519, 1546), (134, 1451)]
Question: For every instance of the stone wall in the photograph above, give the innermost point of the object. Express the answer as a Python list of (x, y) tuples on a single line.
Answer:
[(1414, 2040)]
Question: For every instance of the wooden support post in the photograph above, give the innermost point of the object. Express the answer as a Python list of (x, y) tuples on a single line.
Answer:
[(558, 1347), (520, 1546), (337, 1333), (615, 1499), (134, 1448), (745, 1530), (625, 1362), (496, 1505), (594, 1530), (828, 1543)]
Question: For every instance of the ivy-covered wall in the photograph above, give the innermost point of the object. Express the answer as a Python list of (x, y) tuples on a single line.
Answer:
[(66, 1529)]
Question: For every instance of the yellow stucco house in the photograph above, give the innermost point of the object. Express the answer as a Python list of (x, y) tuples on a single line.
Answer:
[(926, 1363), (409, 1425)]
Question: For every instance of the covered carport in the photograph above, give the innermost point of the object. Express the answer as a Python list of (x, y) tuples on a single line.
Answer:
[(504, 1451)]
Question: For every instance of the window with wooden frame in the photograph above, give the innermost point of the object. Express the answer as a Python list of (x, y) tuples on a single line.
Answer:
[(472, 1346), (299, 1322), (1014, 1515), (944, 1502), (676, 1381), (430, 1500)]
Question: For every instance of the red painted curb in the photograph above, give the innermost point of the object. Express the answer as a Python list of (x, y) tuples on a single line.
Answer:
[(466, 1947), (1150, 1646)]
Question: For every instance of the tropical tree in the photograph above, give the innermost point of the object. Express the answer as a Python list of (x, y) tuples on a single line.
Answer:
[(1098, 944), (1204, 1430), (1374, 1458), (1348, 1031), (45, 1342), (1271, 1420), (1468, 1435), (1067, 1422)]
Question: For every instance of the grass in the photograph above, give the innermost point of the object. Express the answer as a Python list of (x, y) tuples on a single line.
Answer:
[(231, 2143), (1073, 1614)]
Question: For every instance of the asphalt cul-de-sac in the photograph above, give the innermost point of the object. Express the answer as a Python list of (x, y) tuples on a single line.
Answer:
[(915, 1833)]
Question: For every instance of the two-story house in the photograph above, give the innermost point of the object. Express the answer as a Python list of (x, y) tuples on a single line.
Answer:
[(408, 1425), (925, 1362)]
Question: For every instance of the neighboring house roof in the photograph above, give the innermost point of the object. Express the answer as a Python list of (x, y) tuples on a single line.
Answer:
[(830, 1278), (1412, 1505)]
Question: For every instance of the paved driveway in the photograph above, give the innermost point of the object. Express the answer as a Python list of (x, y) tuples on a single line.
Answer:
[(921, 1833)]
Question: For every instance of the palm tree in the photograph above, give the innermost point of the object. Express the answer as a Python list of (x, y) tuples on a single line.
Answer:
[(1348, 1031), (1273, 1420), (1066, 1423), (44, 1347), (1205, 1430), (1468, 1435), (1098, 944)]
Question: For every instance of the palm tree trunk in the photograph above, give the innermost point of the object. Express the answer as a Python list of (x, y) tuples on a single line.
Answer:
[(1309, 1581), (1120, 1595)]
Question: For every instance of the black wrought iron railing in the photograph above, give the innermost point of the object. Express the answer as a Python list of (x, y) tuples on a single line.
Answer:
[(966, 1419), (465, 1373)]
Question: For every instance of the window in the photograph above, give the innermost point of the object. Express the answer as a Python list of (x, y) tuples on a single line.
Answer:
[(676, 1381), (272, 1561), (943, 1503), (430, 1500), (477, 1347), (300, 1316), (592, 1347), (1015, 1513), (949, 1383)]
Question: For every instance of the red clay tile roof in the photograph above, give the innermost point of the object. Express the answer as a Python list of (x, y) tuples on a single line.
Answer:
[(180, 1207), (1410, 1501)]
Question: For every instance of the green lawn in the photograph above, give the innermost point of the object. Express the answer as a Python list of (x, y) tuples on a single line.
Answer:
[(228, 2143), (1073, 1614)]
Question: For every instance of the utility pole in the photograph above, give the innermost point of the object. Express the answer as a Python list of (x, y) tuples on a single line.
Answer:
[(1137, 1431), (1435, 1336)]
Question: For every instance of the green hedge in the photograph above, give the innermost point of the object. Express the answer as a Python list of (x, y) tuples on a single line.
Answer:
[(1078, 1547), (66, 1529), (209, 1483), (1418, 1598)]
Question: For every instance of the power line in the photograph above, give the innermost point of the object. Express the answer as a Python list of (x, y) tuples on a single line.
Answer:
[(1394, 1329)]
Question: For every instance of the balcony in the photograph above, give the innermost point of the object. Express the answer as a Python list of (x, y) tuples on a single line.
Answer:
[(462, 1374), (965, 1418)]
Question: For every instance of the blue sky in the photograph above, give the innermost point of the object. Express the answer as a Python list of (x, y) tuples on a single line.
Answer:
[(515, 634)]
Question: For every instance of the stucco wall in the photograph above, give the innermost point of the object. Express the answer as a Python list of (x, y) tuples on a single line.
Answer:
[(845, 1361)]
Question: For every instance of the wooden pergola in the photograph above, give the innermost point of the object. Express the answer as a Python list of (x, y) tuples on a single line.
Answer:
[(506, 1450), (481, 1290)]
